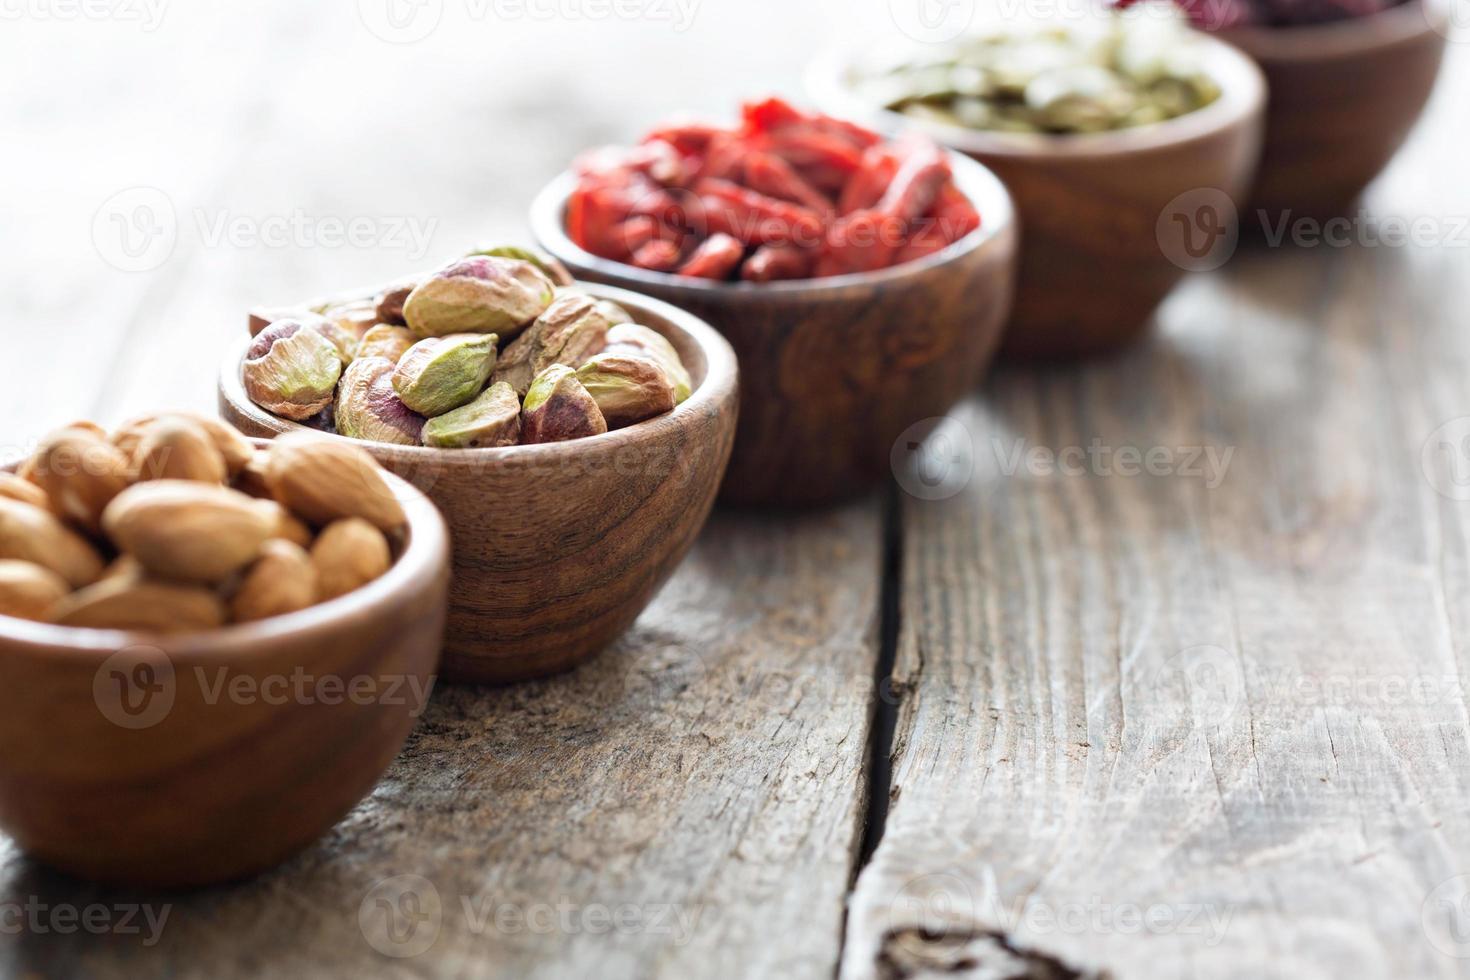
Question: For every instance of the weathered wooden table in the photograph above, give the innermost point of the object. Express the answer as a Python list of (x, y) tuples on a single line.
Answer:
[(1170, 686)]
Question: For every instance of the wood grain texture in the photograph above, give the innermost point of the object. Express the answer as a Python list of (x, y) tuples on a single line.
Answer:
[(183, 761), (833, 371), (708, 767), (1343, 99), (559, 547), (1231, 700)]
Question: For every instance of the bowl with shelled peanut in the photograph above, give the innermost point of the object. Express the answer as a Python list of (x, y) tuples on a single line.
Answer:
[(573, 436), (209, 650), (863, 283)]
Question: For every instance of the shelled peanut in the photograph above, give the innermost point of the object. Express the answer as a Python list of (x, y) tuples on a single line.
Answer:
[(175, 523), (497, 348)]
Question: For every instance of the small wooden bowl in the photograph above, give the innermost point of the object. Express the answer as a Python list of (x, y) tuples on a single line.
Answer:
[(834, 370), (1343, 99), (559, 547), (184, 761), (1092, 267)]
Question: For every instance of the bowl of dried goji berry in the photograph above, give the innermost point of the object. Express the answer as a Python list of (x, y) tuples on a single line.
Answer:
[(864, 283)]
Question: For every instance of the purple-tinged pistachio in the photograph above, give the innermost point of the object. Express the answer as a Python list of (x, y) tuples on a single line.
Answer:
[(368, 407), (440, 374), (558, 408), (627, 389), (493, 419), (640, 341), (479, 294), (343, 339), (389, 302), (554, 270), (291, 370), (571, 330), (260, 317), (386, 341)]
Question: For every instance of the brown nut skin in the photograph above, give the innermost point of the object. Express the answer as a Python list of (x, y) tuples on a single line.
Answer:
[(184, 531), (389, 302), (81, 472), (387, 342), (479, 295), (558, 408), (31, 534), (627, 389), (322, 480), (28, 591), (175, 448), (143, 605), (490, 421), (349, 554), (283, 580), (288, 527), (233, 447), (13, 487), (571, 330), (368, 408), (291, 370)]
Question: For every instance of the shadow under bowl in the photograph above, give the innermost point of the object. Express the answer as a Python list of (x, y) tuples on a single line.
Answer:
[(559, 547), (834, 370), (1343, 98), (175, 762), (1095, 262)]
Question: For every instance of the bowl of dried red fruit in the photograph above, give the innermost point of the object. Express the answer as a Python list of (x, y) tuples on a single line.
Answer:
[(862, 282)]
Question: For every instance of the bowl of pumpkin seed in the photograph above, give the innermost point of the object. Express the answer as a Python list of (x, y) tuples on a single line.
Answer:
[(1100, 126)]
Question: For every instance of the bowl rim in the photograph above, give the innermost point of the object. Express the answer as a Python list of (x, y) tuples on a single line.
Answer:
[(426, 554), (1342, 38), (1242, 96), (716, 388), (977, 181)]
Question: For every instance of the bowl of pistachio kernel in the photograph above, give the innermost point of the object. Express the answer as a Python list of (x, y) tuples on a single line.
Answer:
[(1127, 140)]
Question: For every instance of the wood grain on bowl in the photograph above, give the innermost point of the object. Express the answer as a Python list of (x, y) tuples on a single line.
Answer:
[(188, 760), (832, 371), (1092, 267), (1343, 98), (559, 547)]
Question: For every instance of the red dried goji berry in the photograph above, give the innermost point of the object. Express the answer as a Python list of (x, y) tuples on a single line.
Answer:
[(923, 170), (865, 188), (772, 262), (657, 255), (716, 258), (769, 174), (864, 241), (755, 218)]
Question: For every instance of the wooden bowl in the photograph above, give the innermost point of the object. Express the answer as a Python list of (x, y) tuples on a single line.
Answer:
[(1092, 268), (1343, 99), (559, 547), (183, 761), (834, 370)]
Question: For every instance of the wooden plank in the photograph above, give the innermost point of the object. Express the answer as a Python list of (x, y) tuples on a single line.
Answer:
[(1175, 725), (688, 805)]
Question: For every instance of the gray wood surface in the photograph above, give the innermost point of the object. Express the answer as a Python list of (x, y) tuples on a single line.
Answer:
[(1230, 701)]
